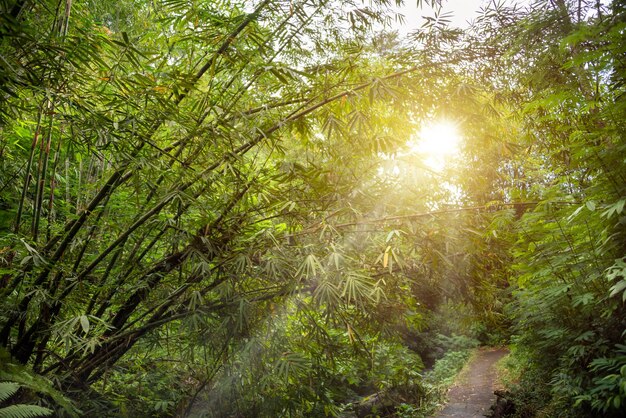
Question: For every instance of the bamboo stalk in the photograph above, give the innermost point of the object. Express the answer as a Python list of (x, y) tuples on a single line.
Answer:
[(38, 180), (27, 175), (52, 189), (111, 185), (241, 150), (107, 299), (78, 187), (44, 158), (111, 351), (118, 177)]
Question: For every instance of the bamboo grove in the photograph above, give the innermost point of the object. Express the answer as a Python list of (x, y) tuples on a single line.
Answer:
[(208, 208)]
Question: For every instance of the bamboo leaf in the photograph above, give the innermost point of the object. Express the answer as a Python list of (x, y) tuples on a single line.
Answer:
[(84, 323)]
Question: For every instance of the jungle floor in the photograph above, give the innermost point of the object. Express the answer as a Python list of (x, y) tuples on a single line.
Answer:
[(472, 395)]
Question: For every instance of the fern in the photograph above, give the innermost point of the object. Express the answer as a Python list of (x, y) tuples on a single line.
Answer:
[(8, 389), (21, 376), (24, 411), (13, 376)]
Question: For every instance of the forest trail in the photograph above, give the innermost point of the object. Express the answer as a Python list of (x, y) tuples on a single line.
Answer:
[(472, 395)]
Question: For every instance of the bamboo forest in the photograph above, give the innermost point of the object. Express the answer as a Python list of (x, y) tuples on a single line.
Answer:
[(312, 208)]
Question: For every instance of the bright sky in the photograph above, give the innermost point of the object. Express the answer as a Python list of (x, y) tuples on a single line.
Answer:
[(463, 11), (437, 142)]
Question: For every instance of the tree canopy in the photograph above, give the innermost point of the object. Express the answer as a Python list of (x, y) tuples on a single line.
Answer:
[(217, 208)]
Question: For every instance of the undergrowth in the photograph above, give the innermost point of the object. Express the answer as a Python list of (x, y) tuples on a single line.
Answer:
[(443, 374), (535, 392)]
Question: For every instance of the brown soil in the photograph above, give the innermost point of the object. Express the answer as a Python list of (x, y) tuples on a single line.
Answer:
[(472, 395)]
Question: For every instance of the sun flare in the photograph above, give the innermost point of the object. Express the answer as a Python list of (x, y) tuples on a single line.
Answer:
[(437, 142)]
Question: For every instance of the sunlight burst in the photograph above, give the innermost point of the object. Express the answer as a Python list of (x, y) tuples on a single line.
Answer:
[(437, 142)]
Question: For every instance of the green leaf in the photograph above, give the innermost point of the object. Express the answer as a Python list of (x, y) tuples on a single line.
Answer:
[(291, 365), (357, 287), (84, 323), (7, 389), (615, 209), (326, 293), (25, 411), (619, 287), (310, 267)]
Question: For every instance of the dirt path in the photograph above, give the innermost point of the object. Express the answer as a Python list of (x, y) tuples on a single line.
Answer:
[(472, 395)]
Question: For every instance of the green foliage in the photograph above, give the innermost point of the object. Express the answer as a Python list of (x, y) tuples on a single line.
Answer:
[(404, 410), (16, 377), (530, 399), (567, 300), (7, 389), (24, 411), (168, 167), (608, 392), (298, 364), (214, 203), (446, 369)]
